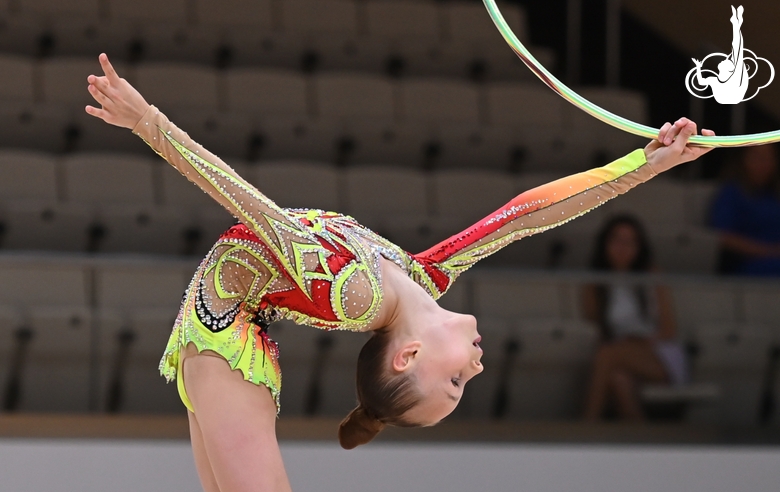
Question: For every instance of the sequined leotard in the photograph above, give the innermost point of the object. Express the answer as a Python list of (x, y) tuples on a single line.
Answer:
[(322, 268)]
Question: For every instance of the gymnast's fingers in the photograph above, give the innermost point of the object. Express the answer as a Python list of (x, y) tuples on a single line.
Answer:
[(99, 96), (664, 130), (98, 113), (687, 129), (101, 83), (108, 69)]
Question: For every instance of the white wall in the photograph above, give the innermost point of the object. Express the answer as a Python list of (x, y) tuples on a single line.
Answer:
[(122, 466)]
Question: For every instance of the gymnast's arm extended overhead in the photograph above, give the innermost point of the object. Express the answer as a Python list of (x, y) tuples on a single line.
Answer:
[(122, 105), (556, 203)]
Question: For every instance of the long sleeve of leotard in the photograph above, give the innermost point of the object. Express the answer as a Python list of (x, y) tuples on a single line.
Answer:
[(534, 211), (267, 220)]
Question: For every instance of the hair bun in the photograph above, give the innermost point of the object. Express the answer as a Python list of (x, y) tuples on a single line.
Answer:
[(358, 428)]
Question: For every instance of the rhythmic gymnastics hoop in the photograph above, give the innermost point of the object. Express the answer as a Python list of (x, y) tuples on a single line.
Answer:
[(602, 114)]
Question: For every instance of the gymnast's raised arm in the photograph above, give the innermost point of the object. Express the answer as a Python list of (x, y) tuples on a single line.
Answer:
[(556, 203), (122, 105)]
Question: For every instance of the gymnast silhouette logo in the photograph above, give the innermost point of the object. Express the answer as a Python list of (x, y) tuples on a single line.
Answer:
[(730, 84)]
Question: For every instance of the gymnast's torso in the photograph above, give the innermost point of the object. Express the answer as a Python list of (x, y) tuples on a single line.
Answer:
[(323, 268)]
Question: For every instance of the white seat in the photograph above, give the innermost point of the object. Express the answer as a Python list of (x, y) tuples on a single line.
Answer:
[(17, 82), (555, 343), (142, 229), (297, 347), (266, 91), (49, 8), (28, 175), (179, 41), (551, 366), (179, 85), (76, 35), (33, 126), (435, 100), (299, 184), (693, 250), (101, 178), (90, 134), (386, 142), (700, 303), (344, 95), (224, 134), (469, 21), (56, 373), (467, 195), (21, 35), (42, 225), (735, 358), (173, 11), (257, 14), (337, 386), (64, 80), (282, 138), (513, 104), (144, 390), (518, 298), (305, 17), (131, 288), (377, 192), (43, 285), (761, 306), (475, 146), (402, 20)]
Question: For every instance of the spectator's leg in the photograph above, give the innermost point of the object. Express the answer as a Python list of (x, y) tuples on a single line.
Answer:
[(599, 383), (634, 358), (624, 389)]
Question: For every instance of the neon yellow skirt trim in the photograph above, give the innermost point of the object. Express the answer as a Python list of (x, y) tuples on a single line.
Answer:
[(243, 344)]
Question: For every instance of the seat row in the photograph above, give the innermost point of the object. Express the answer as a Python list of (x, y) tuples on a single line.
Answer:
[(273, 93), (534, 347), (128, 203), (398, 37)]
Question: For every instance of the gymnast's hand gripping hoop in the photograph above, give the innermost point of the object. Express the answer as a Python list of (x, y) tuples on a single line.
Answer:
[(602, 114)]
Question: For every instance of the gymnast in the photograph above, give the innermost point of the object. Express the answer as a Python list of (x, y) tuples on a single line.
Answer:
[(731, 84), (324, 269)]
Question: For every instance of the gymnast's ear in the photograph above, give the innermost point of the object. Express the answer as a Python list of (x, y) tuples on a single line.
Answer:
[(358, 428)]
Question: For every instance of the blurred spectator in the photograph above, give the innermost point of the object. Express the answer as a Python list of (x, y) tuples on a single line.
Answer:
[(746, 212), (637, 325)]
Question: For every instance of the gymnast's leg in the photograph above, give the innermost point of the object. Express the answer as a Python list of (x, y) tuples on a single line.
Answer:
[(202, 464), (237, 423)]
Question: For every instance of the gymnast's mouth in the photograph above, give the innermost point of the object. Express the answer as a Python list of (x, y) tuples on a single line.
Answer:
[(476, 342)]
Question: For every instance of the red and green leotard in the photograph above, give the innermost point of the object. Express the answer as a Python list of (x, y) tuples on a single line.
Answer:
[(322, 268)]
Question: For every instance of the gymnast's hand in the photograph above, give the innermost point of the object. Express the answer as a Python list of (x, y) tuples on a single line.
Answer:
[(121, 105), (671, 147)]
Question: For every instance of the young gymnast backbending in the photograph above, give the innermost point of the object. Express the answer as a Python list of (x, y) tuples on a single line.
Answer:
[(326, 270)]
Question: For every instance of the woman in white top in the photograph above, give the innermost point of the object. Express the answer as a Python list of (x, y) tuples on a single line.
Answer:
[(637, 325)]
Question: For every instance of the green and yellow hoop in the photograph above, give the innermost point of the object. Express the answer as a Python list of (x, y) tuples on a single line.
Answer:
[(602, 114)]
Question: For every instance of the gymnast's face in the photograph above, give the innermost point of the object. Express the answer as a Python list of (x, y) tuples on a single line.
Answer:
[(442, 359)]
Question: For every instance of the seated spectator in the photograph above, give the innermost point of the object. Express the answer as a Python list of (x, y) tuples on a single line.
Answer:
[(746, 212), (636, 323)]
